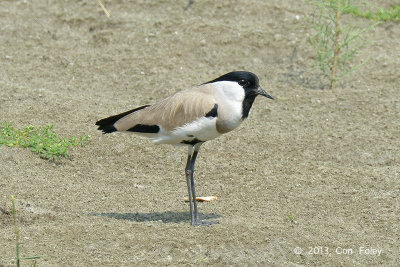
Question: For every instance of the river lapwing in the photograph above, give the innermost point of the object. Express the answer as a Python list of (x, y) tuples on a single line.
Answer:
[(192, 117)]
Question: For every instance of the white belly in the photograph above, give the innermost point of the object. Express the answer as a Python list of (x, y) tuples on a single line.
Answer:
[(203, 129)]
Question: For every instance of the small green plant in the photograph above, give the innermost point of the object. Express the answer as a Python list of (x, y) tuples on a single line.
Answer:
[(390, 14), (337, 46), (291, 218), (17, 243), (43, 141)]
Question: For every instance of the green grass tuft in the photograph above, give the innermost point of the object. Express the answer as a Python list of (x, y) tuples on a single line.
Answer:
[(42, 141), (390, 14)]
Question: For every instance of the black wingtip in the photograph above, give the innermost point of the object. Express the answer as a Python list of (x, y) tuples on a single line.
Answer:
[(107, 124), (106, 128)]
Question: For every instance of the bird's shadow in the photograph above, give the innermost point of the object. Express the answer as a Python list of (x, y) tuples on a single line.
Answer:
[(165, 217)]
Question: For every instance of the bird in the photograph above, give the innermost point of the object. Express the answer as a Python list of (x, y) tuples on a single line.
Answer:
[(192, 117)]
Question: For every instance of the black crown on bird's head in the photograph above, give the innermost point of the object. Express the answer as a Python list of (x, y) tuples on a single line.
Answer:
[(247, 80)]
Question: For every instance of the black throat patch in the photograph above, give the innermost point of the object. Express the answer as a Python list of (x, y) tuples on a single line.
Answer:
[(246, 105)]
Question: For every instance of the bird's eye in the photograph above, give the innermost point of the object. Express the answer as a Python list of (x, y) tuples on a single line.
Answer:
[(243, 82)]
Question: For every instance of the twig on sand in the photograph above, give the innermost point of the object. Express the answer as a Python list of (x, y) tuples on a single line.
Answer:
[(104, 8)]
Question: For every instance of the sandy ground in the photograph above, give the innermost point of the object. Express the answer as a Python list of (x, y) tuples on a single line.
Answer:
[(329, 159)]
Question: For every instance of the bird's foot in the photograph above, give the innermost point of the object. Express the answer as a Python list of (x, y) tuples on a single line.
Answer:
[(203, 223)]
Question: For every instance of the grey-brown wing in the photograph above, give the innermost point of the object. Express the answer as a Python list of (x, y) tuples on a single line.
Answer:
[(172, 112)]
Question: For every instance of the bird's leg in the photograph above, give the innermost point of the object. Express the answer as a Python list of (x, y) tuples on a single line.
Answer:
[(193, 160), (196, 220), (189, 174)]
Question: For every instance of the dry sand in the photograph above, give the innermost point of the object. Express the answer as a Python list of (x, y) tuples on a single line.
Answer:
[(329, 159)]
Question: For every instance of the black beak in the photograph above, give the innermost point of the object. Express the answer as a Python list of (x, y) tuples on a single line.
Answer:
[(261, 91)]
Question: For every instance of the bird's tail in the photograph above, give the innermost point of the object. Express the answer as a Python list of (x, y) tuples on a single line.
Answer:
[(107, 124)]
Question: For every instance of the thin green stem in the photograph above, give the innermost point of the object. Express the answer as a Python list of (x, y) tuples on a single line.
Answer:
[(337, 46), (16, 230)]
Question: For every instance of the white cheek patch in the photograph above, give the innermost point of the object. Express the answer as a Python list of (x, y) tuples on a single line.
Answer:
[(231, 104), (231, 91)]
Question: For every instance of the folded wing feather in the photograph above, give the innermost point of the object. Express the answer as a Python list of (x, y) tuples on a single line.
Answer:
[(172, 112)]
